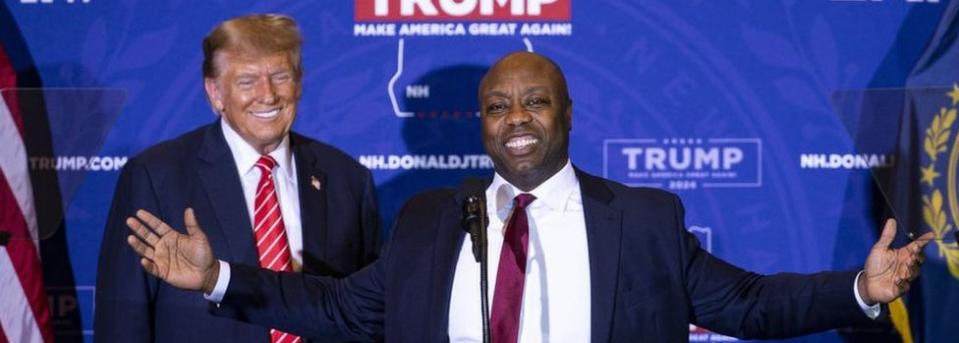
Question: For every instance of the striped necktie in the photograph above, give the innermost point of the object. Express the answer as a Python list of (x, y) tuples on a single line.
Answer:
[(271, 244)]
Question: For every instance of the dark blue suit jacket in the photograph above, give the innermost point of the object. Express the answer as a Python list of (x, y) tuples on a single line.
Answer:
[(340, 232), (649, 279)]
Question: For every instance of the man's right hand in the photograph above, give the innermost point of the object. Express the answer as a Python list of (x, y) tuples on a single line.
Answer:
[(184, 261)]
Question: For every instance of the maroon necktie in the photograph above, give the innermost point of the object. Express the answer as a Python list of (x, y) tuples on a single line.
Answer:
[(508, 297), (271, 244)]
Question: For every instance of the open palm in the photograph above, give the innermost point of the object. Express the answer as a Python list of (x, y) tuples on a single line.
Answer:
[(888, 272), (184, 261)]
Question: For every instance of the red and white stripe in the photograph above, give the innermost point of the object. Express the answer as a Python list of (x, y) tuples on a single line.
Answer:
[(24, 312), (271, 243)]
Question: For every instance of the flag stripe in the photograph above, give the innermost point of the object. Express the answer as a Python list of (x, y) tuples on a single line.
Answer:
[(24, 262), (13, 164), (16, 317), (25, 315), (8, 80)]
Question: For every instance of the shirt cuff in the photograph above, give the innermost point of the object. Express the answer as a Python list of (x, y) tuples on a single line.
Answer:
[(871, 311), (223, 280)]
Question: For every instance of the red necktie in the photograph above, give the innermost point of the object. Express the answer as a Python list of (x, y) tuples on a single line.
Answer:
[(271, 243), (511, 275)]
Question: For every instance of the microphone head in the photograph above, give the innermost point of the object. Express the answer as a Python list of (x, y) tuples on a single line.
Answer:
[(472, 196), (472, 186), (472, 210)]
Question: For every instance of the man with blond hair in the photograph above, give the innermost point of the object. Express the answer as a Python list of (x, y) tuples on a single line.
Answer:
[(270, 197)]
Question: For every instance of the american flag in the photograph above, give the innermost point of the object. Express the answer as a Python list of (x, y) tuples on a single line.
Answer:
[(24, 312)]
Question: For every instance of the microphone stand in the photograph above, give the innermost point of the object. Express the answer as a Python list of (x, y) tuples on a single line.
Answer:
[(475, 221)]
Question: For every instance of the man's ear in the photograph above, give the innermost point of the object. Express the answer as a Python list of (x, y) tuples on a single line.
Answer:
[(569, 115), (213, 94)]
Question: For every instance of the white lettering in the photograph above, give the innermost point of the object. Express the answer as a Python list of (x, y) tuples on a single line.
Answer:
[(426, 6), (731, 156), (486, 6), (684, 158), (374, 30), (631, 155), (437, 162), (381, 8), (418, 91), (677, 164), (546, 29), (433, 29), (78, 163), (458, 9), (710, 158), (845, 161), (492, 29), (655, 158)]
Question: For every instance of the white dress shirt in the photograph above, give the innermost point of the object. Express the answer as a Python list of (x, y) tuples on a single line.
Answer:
[(556, 295), (285, 183)]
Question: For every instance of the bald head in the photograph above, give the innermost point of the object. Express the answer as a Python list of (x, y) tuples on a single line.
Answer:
[(524, 60), (526, 118)]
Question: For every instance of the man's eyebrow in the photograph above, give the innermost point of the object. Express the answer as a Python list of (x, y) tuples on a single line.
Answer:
[(493, 93), (526, 91), (535, 89)]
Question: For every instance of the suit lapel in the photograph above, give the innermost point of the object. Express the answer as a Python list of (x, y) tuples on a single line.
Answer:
[(604, 233), (223, 189), (311, 181), (449, 240)]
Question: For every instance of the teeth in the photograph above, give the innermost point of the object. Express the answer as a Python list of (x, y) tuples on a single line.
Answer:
[(266, 114), (521, 142)]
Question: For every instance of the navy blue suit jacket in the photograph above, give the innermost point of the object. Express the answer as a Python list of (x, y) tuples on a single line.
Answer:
[(339, 220), (649, 279)]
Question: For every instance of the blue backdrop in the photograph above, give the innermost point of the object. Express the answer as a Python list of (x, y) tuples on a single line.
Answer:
[(729, 103)]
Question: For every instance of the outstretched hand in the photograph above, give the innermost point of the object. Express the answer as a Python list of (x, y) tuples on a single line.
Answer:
[(889, 272), (184, 261)]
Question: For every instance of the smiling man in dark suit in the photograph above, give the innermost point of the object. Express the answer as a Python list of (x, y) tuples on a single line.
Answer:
[(269, 197), (575, 258)]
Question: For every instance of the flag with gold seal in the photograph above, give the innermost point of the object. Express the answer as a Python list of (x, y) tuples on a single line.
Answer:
[(916, 129), (924, 189), (939, 172), (932, 130)]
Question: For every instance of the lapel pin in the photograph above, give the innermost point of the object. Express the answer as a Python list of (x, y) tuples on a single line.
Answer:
[(315, 182)]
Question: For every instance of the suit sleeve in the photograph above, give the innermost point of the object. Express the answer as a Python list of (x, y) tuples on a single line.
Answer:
[(734, 302), (308, 305), (370, 222), (313, 306), (124, 309)]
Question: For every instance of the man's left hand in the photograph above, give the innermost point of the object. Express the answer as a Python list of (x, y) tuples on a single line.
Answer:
[(889, 272)]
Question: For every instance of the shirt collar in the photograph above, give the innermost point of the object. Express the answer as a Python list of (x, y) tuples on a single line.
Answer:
[(246, 156), (554, 193)]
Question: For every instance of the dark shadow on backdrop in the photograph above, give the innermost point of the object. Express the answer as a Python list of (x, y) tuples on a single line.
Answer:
[(444, 123), (57, 269)]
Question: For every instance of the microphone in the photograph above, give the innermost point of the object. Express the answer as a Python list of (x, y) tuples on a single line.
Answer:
[(474, 220)]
